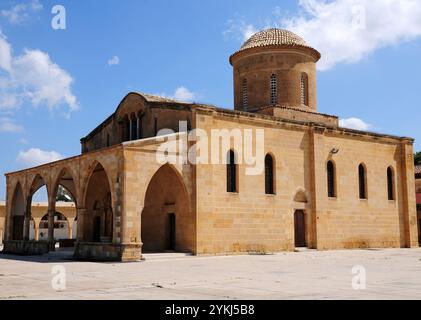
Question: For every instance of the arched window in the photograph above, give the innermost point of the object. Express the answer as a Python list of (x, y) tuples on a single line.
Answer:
[(304, 89), (245, 96), (133, 129), (331, 189), (231, 172), (126, 129), (269, 179), (273, 90), (362, 181), (390, 184)]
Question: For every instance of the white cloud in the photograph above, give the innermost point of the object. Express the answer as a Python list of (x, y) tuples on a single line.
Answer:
[(239, 29), (21, 12), (33, 77), (5, 53), (354, 123), (9, 125), (183, 94), (114, 61), (35, 157), (347, 31)]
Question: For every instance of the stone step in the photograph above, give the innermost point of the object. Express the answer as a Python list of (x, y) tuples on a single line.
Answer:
[(304, 250)]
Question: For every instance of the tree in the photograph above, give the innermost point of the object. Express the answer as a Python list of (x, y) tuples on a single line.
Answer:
[(417, 158), (63, 195)]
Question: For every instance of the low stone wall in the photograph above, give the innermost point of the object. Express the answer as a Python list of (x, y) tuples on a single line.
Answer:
[(26, 248), (93, 251)]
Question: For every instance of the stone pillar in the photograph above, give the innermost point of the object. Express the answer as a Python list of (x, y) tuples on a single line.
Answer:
[(51, 214), (69, 228), (318, 182), (81, 217), (130, 129), (137, 127), (409, 238), (26, 225), (36, 230)]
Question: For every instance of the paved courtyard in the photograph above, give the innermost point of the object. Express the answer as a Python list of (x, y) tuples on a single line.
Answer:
[(390, 274)]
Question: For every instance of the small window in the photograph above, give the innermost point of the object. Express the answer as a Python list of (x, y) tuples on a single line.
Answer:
[(245, 96), (133, 128), (139, 127), (269, 180), (231, 172), (126, 129), (331, 188), (390, 184), (108, 139), (156, 125), (304, 89), (273, 90), (362, 181)]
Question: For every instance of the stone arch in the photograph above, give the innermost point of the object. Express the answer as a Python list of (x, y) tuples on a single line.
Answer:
[(66, 179), (37, 182), (98, 220), (84, 182), (166, 222), (300, 196), (17, 213)]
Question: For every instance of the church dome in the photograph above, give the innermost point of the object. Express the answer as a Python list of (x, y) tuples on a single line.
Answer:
[(276, 37)]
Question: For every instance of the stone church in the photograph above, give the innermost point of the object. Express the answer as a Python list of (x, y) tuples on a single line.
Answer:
[(322, 186)]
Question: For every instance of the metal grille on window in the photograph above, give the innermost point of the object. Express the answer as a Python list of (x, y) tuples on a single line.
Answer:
[(304, 89), (273, 90), (245, 94)]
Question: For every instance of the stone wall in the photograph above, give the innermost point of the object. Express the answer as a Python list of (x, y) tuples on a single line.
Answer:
[(257, 66), (250, 220)]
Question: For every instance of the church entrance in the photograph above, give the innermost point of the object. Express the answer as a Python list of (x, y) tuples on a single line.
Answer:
[(299, 229), (166, 224), (171, 240)]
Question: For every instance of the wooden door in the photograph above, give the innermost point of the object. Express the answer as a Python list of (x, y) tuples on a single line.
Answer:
[(299, 226), (18, 222), (97, 229), (171, 232)]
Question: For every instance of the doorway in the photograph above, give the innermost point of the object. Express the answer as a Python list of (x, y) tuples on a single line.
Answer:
[(171, 232), (97, 229), (299, 229), (18, 222)]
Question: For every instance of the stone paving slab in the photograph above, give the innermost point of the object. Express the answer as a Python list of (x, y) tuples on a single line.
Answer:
[(391, 274)]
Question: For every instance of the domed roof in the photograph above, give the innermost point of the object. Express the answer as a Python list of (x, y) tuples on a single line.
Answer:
[(276, 37)]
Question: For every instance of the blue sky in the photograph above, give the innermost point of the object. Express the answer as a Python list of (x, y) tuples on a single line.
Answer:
[(57, 85)]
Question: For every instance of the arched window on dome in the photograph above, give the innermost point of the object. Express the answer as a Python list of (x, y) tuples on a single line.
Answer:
[(245, 97), (304, 89), (273, 90)]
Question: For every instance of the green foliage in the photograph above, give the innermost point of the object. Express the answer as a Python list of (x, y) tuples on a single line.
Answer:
[(63, 195), (417, 158)]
